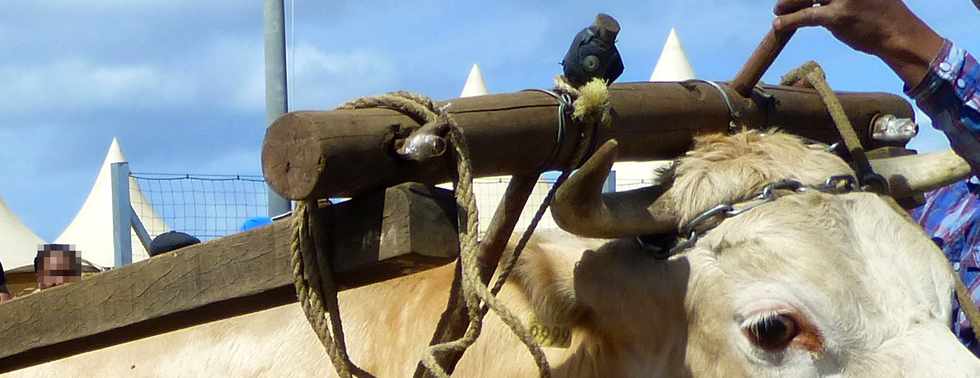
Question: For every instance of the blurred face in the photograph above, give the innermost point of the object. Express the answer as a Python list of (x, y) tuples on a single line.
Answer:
[(56, 269)]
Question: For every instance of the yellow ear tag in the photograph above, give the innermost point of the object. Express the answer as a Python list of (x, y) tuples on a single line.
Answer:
[(550, 335)]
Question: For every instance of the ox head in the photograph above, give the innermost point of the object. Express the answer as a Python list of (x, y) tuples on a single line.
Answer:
[(811, 284), (722, 169)]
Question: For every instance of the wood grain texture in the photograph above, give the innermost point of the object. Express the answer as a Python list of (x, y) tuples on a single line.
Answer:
[(387, 234), (328, 153)]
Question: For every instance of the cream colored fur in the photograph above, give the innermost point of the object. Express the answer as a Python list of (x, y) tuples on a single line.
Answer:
[(872, 284)]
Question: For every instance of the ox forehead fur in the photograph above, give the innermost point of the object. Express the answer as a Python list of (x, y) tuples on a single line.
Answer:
[(725, 169)]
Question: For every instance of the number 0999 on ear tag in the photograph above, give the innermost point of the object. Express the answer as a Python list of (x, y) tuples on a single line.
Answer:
[(550, 335)]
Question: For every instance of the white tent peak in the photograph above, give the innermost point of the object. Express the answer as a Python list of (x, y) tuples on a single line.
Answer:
[(673, 64), (475, 86), (114, 155), (91, 229), (18, 244)]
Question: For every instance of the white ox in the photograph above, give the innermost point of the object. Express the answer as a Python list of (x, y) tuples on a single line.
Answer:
[(811, 284)]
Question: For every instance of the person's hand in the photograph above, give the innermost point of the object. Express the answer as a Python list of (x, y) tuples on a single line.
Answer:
[(884, 28)]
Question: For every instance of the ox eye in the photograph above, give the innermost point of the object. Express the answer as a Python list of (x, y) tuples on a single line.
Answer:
[(772, 332)]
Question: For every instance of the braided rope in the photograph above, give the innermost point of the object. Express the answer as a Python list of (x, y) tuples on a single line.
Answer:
[(596, 108), (592, 108), (312, 265), (811, 73), (303, 261), (419, 107), (473, 289)]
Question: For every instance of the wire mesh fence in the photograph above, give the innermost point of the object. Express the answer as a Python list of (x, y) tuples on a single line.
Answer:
[(213, 206), (205, 206), (490, 190), (630, 184)]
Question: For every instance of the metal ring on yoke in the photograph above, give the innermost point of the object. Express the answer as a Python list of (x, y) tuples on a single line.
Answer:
[(735, 115), (565, 103)]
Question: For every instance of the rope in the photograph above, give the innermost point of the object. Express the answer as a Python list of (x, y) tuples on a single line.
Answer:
[(473, 290), (306, 270), (591, 107), (811, 73), (595, 108), (311, 264)]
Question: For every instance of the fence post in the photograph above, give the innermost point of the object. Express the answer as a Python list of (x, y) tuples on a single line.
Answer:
[(276, 100), (121, 215)]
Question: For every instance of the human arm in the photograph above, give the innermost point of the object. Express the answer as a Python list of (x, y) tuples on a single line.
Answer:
[(942, 79), (883, 28)]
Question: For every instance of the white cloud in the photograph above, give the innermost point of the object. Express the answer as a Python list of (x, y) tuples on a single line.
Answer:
[(83, 84), (321, 80), (130, 5), (231, 74)]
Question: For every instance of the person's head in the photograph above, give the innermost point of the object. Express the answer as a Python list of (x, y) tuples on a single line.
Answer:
[(171, 241), (56, 264), (4, 294), (977, 3)]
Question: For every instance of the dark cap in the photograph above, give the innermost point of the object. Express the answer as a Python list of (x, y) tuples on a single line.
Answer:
[(170, 241)]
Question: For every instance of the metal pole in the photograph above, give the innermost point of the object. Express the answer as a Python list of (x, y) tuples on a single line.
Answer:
[(121, 215), (140, 231), (276, 102)]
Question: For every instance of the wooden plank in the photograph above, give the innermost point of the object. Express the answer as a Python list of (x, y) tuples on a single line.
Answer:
[(323, 154), (387, 234)]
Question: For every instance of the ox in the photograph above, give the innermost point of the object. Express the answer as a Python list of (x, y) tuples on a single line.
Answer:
[(810, 284)]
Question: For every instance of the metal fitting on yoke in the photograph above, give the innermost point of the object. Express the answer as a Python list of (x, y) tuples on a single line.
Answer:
[(425, 142), (891, 129), (593, 53)]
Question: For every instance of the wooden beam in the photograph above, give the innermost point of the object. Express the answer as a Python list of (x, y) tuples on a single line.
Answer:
[(323, 154), (387, 234)]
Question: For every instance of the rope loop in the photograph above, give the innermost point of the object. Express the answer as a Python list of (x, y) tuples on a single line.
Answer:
[(318, 301), (312, 273)]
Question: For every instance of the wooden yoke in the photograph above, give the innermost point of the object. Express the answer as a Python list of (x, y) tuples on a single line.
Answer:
[(319, 154)]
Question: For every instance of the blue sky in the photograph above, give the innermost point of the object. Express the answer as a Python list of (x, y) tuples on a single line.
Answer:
[(181, 83)]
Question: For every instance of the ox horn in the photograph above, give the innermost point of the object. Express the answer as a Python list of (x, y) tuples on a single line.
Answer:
[(581, 208), (909, 175)]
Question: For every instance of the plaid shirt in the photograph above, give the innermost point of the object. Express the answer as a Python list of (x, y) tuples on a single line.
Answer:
[(951, 215)]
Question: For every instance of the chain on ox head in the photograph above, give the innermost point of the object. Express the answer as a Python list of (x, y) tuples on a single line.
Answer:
[(698, 226)]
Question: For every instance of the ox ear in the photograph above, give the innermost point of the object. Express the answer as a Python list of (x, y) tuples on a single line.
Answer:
[(546, 274)]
